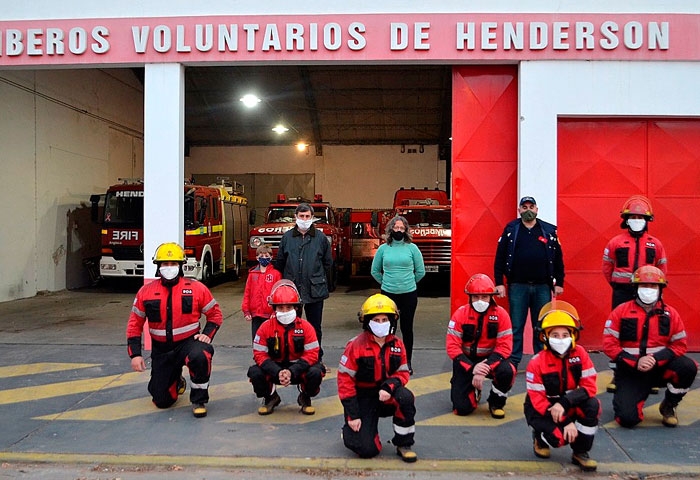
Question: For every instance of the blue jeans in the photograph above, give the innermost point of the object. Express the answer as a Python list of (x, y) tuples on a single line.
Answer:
[(521, 298)]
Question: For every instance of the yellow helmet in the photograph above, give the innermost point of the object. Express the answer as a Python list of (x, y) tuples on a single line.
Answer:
[(376, 304), (169, 252), (558, 313)]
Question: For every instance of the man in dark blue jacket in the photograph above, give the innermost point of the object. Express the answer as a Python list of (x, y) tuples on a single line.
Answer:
[(304, 257), (530, 258)]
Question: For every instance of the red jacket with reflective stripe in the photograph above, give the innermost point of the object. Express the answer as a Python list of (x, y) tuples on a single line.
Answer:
[(172, 312), (619, 256), (285, 343), (257, 290), (623, 333), (551, 379), (495, 340), (365, 365)]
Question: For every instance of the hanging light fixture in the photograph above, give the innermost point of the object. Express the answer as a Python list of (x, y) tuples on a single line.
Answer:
[(250, 100), (279, 129)]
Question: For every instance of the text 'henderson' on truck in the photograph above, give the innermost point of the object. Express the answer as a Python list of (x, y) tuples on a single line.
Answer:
[(215, 221), (429, 215), (280, 218)]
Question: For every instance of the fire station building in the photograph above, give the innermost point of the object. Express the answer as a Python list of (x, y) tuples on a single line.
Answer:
[(579, 104)]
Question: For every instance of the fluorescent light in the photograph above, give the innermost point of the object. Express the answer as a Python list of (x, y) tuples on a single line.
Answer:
[(279, 129), (250, 100)]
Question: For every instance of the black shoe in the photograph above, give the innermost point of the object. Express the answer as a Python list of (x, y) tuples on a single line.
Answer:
[(586, 463), (199, 410), (406, 454), (304, 402), (181, 386), (269, 404)]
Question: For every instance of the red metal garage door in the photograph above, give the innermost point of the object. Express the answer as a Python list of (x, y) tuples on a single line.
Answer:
[(600, 164), (484, 168)]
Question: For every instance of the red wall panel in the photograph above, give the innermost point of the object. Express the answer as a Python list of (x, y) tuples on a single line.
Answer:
[(600, 164), (484, 168)]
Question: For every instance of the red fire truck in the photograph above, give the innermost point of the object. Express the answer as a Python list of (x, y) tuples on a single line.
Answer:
[(429, 215), (362, 234), (280, 218), (216, 228)]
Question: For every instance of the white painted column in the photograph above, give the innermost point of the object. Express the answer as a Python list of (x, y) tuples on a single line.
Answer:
[(164, 158)]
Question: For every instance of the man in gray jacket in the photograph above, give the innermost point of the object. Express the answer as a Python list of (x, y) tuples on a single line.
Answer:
[(304, 257)]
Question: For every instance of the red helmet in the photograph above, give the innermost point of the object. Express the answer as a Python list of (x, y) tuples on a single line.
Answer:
[(649, 274), (637, 205), (284, 292), (480, 284)]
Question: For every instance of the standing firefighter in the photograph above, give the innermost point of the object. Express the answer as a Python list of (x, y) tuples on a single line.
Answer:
[(173, 305), (479, 342), (561, 405), (628, 251), (646, 338), (285, 349), (372, 379)]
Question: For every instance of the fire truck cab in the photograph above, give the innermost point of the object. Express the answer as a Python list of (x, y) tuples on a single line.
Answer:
[(280, 218), (429, 214), (215, 222)]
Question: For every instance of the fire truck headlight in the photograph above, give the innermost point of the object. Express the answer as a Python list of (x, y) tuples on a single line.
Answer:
[(108, 266), (255, 242)]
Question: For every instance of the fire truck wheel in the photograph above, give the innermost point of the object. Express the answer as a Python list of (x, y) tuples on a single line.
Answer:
[(206, 270)]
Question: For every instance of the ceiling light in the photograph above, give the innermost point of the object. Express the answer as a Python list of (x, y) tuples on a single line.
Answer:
[(279, 129), (301, 146), (250, 100)]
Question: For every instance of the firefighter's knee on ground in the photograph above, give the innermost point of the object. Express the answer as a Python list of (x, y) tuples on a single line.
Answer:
[(627, 421), (163, 402)]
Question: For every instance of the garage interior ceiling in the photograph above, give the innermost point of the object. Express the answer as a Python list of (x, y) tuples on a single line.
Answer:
[(321, 105)]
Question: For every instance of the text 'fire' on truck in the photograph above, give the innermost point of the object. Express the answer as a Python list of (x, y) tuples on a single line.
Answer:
[(429, 215), (216, 230), (280, 218)]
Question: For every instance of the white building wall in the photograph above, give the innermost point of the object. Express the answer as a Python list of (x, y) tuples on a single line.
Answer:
[(552, 89), (58, 131)]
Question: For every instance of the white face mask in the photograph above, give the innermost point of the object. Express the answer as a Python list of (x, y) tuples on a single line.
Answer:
[(636, 224), (285, 318), (648, 296), (169, 273), (480, 306), (380, 330), (560, 345), (304, 224)]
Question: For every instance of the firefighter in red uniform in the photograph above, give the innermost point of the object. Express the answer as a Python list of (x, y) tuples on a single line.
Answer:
[(172, 305), (630, 250), (479, 342), (285, 350), (372, 378), (561, 405), (647, 340)]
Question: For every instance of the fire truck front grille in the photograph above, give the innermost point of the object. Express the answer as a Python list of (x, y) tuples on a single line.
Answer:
[(127, 253), (272, 240), (437, 252)]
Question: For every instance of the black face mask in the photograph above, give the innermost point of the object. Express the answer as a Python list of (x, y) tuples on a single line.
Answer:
[(398, 236)]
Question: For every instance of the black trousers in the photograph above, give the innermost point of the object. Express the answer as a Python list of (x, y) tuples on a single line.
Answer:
[(166, 369), (309, 381), (407, 304), (633, 387), (584, 415), (463, 393), (314, 315), (401, 406)]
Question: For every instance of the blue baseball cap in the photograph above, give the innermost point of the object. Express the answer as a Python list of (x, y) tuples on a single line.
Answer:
[(527, 199)]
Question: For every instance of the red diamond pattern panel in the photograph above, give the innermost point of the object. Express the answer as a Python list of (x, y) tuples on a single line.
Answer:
[(484, 168), (600, 164)]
